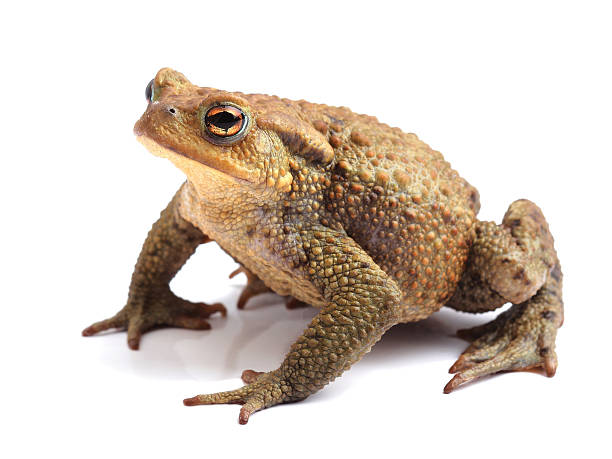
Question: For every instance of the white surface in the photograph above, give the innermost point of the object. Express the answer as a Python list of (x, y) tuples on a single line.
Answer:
[(517, 98)]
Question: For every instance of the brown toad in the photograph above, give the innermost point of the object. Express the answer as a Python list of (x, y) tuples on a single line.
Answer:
[(339, 211)]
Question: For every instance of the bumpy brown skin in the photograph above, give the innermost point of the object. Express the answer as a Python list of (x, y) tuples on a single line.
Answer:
[(349, 215), (171, 241)]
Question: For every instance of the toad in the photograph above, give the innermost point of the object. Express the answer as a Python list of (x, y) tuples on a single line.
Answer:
[(339, 211)]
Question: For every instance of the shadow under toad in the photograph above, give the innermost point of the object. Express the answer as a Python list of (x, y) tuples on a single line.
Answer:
[(259, 336)]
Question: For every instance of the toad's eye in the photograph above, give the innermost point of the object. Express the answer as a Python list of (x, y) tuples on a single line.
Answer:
[(149, 91), (224, 121)]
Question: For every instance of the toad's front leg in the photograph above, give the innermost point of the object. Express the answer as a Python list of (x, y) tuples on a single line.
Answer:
[(151, 303), (362, 303)]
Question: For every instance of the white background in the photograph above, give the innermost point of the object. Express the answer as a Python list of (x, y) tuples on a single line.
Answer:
[(517, 97)]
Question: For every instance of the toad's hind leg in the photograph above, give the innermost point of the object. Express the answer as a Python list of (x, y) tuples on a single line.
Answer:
[(515, 262)]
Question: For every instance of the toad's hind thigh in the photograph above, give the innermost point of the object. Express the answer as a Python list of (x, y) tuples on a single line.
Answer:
[(508, 262)]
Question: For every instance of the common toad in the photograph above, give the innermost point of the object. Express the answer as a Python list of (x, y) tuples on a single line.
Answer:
[(336, 210)]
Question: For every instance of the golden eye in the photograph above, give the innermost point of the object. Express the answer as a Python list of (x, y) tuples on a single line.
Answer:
[(224, 121)]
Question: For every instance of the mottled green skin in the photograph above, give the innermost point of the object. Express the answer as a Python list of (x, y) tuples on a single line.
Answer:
[(349, 215)]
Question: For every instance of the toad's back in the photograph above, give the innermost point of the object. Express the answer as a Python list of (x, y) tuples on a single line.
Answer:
[(401, 201)]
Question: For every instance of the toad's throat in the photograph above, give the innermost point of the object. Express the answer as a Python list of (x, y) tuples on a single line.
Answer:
[(195, 170)]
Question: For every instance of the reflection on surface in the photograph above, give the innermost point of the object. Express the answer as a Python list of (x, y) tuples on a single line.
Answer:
[(259, 336)]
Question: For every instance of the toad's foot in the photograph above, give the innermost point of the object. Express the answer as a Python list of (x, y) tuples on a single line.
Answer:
[(160, 310), (521, 338), (256, 286), (293, 303), (262, 390)]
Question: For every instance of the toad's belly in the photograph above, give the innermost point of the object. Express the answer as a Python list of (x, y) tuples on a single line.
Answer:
[(277, 273)]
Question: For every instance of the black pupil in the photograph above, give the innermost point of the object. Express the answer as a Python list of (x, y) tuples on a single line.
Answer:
[(149, 91), (223, 120)]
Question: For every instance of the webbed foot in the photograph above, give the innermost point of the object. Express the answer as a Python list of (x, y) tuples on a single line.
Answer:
[(165, 309), (521, 338)]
